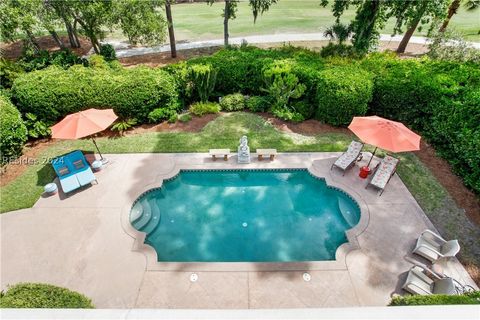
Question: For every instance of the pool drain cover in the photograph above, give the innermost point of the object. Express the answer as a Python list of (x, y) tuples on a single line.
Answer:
[(307, 277), (193, 277)]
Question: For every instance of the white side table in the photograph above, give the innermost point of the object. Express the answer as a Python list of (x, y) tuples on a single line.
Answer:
[(50, 189), (97, 165)]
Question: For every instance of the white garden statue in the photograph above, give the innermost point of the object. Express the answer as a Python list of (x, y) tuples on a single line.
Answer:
[(243, 151)]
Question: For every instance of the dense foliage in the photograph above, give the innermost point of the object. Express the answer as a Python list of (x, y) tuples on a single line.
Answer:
[(436, 299), (42, 59), (258, 103), (39, 295), (233, 102), (438, 99), (203, 108), (13, 133), (342, 93), (53, 93)]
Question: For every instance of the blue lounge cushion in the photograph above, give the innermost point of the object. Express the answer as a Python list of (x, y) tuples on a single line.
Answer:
[(69, 184), (85, 177), (73, 171)]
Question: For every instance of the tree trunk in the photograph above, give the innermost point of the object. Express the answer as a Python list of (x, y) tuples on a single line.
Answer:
[(74, 43), (452, 9), (75, 34), (90, 34), (57, 39), (406, 37), (225, 22), (364, 30), (171, 33), (32, 41)]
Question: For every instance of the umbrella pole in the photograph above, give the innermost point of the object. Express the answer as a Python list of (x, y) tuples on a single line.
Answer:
[(98, 150), (368, 165)]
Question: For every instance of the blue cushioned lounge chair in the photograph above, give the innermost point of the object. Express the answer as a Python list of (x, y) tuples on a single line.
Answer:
[(73, 171)]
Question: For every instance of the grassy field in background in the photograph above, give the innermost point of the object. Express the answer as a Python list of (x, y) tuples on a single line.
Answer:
[(199, 21)]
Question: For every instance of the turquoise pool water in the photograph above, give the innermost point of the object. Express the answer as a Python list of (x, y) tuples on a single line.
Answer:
[(245, 215)]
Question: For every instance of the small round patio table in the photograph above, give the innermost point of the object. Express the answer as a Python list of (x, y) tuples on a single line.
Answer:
[(50, 189)]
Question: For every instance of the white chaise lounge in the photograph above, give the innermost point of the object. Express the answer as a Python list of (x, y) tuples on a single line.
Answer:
[(384, 172), (348, 158), (433, 247), (418, 282)]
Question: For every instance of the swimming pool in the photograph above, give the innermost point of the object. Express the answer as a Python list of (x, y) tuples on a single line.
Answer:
[(281, 215)]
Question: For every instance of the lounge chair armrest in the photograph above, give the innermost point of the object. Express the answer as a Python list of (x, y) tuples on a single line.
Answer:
[(436, 236), (413, 284), (432, 250)]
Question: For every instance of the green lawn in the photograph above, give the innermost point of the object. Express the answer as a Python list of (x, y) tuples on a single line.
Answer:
[(223, 132), (200, 21)]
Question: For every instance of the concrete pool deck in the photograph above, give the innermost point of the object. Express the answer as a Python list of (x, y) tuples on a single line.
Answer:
[(84, 242)]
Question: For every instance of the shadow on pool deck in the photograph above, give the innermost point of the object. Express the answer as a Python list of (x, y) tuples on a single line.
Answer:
[(80, 242)]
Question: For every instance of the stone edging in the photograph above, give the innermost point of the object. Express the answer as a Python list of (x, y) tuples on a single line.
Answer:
[(340, 255)]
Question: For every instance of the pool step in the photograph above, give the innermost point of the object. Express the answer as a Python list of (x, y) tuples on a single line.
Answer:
[(145, 217), (347, 212), (136, 213), (154, 220)]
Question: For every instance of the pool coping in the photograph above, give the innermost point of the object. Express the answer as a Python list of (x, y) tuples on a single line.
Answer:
[(341, 253)]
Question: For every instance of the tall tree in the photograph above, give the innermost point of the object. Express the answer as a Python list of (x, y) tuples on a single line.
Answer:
[(141, 21), (19, 17), (230, 11), (470, 5), (452, 10), (93, 16), (64, 12), (370, 17), (414, 13), (171, 32)]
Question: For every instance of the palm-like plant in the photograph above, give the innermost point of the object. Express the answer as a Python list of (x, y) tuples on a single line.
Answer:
[(339, 32)]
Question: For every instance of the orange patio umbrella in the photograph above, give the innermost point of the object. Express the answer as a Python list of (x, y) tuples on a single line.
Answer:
[(83, 124), (385, 134)]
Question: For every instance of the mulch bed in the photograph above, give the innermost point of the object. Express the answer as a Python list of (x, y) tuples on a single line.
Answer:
[(13, 51)]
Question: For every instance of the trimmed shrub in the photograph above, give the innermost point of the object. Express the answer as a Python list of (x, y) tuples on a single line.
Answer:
[(440, 100), (342, 93), (62, 58), (9, 71), (186, 117), (233, 102), (133, 93), (258, 103), (13, 133), (436, 299), (108, 52), (338, 50), (39, 295), (203, 108), (161, 114)]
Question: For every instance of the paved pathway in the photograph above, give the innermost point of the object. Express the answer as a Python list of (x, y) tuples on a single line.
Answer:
[(123, 50), (84, 242)]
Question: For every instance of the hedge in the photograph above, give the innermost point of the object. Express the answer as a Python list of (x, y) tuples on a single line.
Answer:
[(13, 133), (39, 295), (53, 93), (436, 299), (441, 100), (343, 93)]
